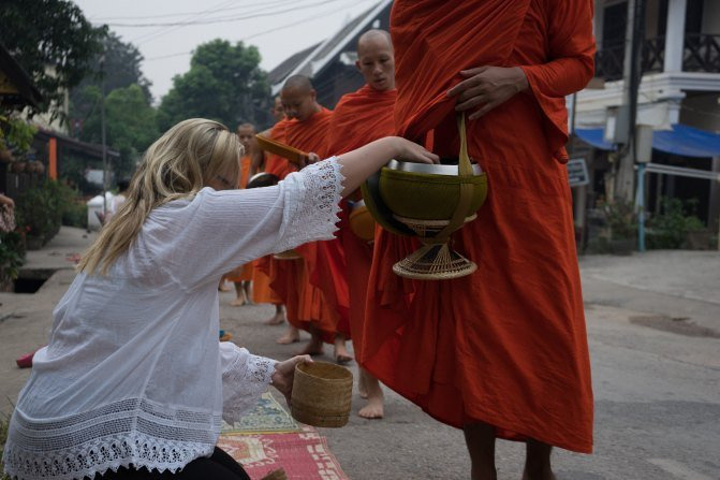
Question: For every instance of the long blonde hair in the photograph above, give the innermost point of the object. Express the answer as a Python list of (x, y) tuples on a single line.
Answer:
[(178, 165)]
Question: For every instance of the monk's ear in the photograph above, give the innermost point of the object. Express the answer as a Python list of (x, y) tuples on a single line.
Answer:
[(357, 64), (313, 94)]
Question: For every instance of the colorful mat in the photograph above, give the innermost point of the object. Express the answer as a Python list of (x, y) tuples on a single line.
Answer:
[(304, 456), (267, 417)]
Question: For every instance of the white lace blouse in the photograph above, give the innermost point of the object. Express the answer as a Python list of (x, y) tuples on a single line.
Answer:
[(133, 372)]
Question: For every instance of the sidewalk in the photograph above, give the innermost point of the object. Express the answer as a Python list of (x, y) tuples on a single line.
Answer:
[(657, 390)]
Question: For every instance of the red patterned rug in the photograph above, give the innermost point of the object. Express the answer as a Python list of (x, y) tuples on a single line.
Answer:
[(304, 455)]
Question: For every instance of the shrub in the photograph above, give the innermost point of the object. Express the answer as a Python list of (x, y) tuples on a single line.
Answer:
[(669, 229)]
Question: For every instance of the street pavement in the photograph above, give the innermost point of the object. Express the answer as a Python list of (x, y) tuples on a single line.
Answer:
[(654, 333)]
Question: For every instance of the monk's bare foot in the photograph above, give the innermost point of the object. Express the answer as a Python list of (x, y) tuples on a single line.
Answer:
[(223, 287), (373, 410), (342, 356), (238, 302), (291, 336), (277, 319)]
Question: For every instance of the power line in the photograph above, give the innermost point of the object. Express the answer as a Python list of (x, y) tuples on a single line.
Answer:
[(264, 32), (252, 4), (221, 20)]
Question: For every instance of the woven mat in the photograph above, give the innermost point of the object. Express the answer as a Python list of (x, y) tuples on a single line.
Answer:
[(267, 417), (304, 456)]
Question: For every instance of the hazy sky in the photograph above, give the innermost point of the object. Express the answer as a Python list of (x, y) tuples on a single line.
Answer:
[(278, 28)]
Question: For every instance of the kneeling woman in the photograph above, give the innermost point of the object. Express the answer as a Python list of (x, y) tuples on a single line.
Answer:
[(133, 382)]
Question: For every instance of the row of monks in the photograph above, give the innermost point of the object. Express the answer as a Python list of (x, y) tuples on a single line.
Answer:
[(321, 287), (501, 353)]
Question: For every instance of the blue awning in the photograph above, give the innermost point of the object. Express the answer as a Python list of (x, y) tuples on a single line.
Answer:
[(680, 140), (594, 136), (687, 141)]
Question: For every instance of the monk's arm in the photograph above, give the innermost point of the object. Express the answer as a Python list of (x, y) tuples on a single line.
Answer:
[(572, 49), (358, 165)]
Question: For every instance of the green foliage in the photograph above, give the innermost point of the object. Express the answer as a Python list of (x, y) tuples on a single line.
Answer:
[(224, 83), (16, 134), (12, 255), (40, 210), (669, 229), (76, 214), (121, 69), (53, 41), (130, 125), (620, 219), (4, 425)]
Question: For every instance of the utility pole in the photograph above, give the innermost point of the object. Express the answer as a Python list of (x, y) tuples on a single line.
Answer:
[(102, 132), (627, 113)]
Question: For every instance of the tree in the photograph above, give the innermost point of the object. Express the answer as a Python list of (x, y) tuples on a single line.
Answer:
[(54, 43), (121, 68), (130, 124), (224, 83)]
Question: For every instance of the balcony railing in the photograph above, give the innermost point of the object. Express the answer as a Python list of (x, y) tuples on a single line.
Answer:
[(701, 53)]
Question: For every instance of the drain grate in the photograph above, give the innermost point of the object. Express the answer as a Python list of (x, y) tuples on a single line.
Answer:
[(678, 325)]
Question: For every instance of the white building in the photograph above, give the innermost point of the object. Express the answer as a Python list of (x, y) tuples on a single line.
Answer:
[(679, 96)]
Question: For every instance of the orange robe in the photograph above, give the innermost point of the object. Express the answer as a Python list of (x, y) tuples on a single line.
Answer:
[(359, 118), (264, 269), (506, 345), (243, 273), (302, 283)]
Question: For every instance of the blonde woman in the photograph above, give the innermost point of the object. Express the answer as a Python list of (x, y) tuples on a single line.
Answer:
[(134, 383)]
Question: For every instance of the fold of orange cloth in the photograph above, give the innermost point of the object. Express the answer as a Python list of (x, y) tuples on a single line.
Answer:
[(506, 345)]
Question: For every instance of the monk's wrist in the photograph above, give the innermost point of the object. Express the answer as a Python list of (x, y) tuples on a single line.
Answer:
[(520, 81)]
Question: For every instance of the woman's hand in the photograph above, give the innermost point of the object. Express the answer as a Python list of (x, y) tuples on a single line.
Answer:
[(412, 152), (284, 374), (487, 87)]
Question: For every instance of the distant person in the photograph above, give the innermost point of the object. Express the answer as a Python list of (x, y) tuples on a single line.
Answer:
[(134, 382), (118, 199)]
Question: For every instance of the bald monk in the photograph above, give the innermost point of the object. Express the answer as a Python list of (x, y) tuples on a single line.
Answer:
[(309, 296), (501, 353), (361, 117)]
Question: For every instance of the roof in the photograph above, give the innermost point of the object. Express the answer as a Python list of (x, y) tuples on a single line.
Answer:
[(282, 71), (16, 86), (312, 63), (92, 149)]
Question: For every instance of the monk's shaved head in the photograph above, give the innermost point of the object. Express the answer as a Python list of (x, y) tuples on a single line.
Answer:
[(298, 98), (372, 36), (300, 83), (376, 59), (246, 133)]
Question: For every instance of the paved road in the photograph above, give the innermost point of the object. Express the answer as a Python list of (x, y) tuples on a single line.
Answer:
[(653, 325)]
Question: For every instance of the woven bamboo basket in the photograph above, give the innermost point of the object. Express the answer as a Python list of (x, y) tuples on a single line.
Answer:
[(322, 394)]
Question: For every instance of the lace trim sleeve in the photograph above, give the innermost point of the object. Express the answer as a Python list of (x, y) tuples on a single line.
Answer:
[(315, 214), (245, 377)]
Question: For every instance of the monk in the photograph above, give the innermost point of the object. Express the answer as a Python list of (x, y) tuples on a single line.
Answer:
[(241, 277), (501, 353), (361, 117), (307, 285)]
